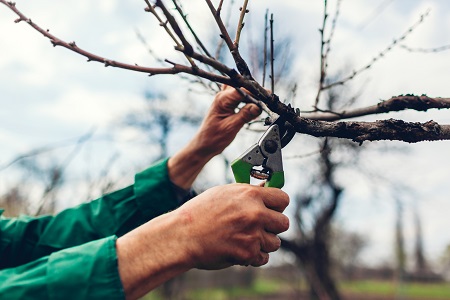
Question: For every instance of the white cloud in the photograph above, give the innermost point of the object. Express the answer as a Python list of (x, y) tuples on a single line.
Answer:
[(79, 105)]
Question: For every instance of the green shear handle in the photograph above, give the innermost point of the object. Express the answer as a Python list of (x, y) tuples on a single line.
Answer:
[(265, 154)]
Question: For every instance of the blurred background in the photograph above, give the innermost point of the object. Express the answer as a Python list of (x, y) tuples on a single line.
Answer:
[(368, 222)]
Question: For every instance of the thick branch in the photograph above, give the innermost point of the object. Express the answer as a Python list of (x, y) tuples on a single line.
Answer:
[(411, 132), (419, 103)]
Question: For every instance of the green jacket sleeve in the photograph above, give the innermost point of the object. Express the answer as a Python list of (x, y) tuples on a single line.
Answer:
[(88, 271), (25, 239)]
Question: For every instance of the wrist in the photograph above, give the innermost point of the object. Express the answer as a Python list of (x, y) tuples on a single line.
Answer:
[(187, 163), (152, 254)]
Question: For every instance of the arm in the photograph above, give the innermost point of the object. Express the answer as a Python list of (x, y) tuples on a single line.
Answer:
[(24, 239)]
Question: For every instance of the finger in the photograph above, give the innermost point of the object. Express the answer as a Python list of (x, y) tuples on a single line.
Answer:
[(245, 115), (231, 98), (275, 199), (260, 260), (270, 242), (275, 222), (225, 87), (249, 112)]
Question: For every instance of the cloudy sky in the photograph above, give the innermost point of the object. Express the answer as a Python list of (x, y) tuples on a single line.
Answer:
[(50, 94)]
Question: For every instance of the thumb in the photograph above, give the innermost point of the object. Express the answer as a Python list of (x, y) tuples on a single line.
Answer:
[(248, 113)]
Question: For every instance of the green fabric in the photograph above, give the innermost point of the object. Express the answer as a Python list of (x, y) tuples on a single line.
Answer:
[(72, 254)]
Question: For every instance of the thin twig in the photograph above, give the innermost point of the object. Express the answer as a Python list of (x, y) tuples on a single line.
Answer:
[(322, 54), (161, 61), (426, 50), (35, 152), (266, 28), (375, 13), (332, 31), (227, 23), (175, 69), (150, 8), (188, 49), (219, 8), (240, 62), (241, 24), (272, 56), (57, 173), (380, 55), (194, 34)]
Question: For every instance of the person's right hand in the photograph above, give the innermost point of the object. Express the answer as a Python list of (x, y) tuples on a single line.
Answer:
[(235, 224), (227, 225)]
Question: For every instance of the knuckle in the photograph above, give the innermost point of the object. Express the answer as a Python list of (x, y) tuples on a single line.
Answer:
[(243, 256), (261, 259), (249, 217), (251, 192)]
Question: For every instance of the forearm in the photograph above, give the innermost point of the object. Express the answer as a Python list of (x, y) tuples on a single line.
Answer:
[(151, 255)]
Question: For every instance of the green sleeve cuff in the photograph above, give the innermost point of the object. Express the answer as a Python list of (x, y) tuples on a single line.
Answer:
[(89, 271), (154, 191)]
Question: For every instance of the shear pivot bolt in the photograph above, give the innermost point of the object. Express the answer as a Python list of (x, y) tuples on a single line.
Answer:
[(270, 146)]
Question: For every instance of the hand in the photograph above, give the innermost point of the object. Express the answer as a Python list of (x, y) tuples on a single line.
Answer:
[(224, 226), (222, 123), (234, 225), (217, 131)]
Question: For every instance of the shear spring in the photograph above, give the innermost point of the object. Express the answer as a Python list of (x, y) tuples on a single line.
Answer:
[(261, 175)]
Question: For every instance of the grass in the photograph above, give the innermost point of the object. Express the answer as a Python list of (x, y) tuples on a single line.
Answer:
[(389, 289), (261, 287)]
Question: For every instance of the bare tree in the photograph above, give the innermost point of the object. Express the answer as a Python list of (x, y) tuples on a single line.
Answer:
[(325, 119)]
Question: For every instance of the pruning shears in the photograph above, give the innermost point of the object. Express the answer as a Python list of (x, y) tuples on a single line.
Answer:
[(263, 160)]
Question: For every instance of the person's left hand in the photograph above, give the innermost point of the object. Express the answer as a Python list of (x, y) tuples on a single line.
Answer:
[(218, 130), (222, 123)]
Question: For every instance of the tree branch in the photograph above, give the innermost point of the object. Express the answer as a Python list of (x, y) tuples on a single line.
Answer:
[(379, 56), (150, 8), (394, 130), (426, 50), (398, 103), (240, 24), (357, 131), (240, 62), (175, 69), (194, 34), (188, 49)]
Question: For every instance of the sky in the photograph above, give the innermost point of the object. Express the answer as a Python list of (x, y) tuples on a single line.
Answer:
[(49, 95)]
